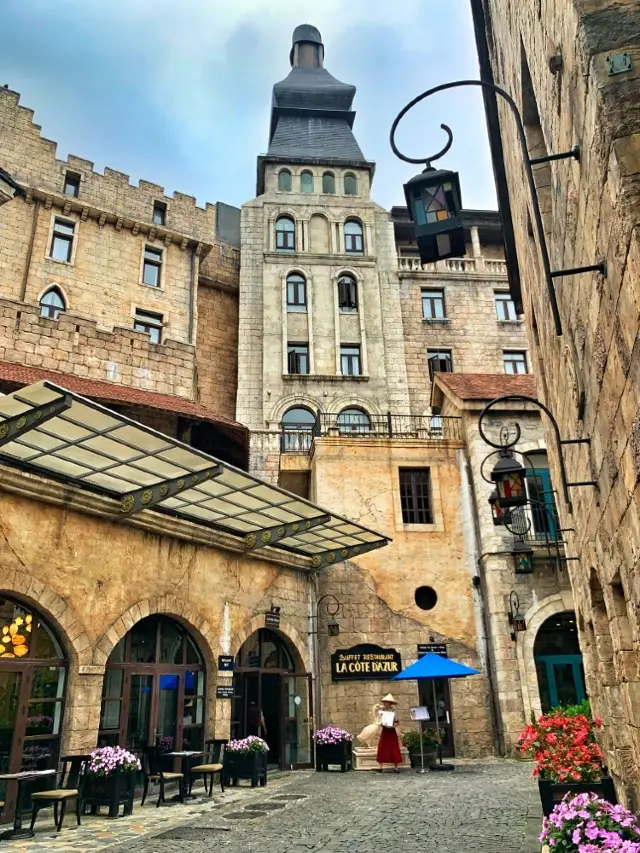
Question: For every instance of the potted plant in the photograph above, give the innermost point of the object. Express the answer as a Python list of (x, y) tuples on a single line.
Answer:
[(411, 740), (333, 746), (110, 779), (585, 823), (567, 756), (246, 759)]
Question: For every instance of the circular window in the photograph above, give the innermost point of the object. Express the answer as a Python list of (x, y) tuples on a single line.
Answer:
[(426, 597)]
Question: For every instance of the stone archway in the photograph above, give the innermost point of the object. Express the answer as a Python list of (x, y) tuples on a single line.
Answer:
[(286, 629)]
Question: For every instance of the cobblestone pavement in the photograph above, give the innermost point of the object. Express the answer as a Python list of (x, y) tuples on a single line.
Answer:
[(479, 808)]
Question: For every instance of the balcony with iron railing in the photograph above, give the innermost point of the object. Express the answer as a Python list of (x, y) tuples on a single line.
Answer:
[(475, 265), (298, 438)]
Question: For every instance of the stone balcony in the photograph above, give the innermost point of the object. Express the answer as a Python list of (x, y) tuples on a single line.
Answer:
[(466, 266)]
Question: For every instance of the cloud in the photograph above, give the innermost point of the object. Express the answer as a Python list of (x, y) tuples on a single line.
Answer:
[(180, 93)]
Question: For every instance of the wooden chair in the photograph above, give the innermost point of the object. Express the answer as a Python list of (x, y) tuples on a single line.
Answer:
[(153, 772), (71, 788), (212, 764)]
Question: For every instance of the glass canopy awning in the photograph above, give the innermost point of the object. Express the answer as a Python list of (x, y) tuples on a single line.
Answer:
[(49, 430)]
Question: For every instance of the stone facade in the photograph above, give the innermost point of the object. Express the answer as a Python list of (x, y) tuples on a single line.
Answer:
[(589, 375)]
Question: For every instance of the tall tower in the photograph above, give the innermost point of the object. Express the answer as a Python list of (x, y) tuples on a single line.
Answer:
[(320, 320)]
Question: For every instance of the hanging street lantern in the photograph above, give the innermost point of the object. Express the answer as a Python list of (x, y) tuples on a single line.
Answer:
[(333, 628), (435, 207), (523, 556), (509, 476), (496, 510)]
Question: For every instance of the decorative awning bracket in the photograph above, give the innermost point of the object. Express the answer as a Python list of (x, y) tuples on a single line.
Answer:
[(327, 558), (149, 496), (271, 535), (18, 425)]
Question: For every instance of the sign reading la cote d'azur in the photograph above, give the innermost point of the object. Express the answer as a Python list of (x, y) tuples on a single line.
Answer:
[(365, 662)]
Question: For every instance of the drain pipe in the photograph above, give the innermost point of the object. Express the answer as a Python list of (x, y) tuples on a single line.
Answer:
[(27, 264), (315, 646)]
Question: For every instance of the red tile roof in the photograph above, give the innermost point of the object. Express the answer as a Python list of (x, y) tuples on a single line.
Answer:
[(487, 386), (109, 392)]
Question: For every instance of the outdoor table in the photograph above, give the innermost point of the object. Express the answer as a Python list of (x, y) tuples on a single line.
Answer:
[(21, 778), (185, 766)]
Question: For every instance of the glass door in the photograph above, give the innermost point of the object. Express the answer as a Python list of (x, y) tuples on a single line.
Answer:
[(561, 680), (297, 722), (441, 712), (138, 702)]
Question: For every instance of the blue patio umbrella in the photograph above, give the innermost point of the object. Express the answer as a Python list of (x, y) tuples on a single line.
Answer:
[(430, 667)]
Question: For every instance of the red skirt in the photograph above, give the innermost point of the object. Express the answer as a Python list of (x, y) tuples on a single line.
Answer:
[(388, 747)]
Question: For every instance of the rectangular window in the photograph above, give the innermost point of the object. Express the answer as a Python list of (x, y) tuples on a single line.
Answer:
[(150, 324), (415, 495), (515, 361), (159, 213), (347, 295), (296, 293), (505, 309), (433, 305), (72, 184), (439, 361), (350, 361), (151, 266), (62, 240), (298, 359)]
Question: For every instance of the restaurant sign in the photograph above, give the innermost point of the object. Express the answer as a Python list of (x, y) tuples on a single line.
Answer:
[(365, 661)]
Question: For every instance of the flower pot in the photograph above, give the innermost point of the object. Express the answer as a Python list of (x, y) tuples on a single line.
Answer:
[(551, 793), (416, 759), (248, 765), (114, 790), (334, 753)]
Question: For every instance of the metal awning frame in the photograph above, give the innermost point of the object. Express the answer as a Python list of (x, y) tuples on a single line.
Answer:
[(315, 533)]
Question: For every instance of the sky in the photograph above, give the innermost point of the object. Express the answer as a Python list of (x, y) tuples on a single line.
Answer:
[(178, 92)]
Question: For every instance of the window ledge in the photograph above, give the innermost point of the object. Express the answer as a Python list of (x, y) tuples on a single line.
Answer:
[(292, 310), (436, 321), (58, 261), (316, 377), (152, 287), (510, 322), (434, 527)]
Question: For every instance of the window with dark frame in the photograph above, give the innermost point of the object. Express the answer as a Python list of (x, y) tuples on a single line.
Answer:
[(62, 240), (284, 181), (353, 238), (296, 292), (306, 182), (150, 324), (415, 495), (350, 360), (515, 361), (159, 213), (298, 359), (328, 183), (285, 234), (72, 184), (347, 294), (433, 305), (152, 265), (505, 309), (350, 184), (52, 304), (439, 361)]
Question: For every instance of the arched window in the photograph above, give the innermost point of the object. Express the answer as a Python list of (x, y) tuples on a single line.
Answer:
[(350, 184), (297, 430), (52, 304), (353, 242), (296, 292), (353, 420), (347, 294), (157, 657), (284, 181), (328, 183), (306, 182), (285, 234)]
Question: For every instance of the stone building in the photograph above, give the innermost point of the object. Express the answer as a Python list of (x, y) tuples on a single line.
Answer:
[(297, 340), (572, 68)]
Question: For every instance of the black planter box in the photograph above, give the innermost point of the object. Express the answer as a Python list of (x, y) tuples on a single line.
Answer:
[(551, 793), (113, 791), (252, 765), (334, 753), (416, 760)]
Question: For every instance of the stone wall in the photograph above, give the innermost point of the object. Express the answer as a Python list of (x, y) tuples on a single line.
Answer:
[(217, 349), (377, 596), (589, 376)]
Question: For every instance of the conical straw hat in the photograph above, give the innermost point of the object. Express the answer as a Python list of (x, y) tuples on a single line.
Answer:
[(389, 698)]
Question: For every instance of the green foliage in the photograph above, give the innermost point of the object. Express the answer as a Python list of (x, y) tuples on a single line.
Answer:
[(583, 709), (411, 740)]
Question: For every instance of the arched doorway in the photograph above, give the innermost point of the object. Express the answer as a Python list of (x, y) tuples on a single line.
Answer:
[(154, 689), (273, 698), (559, 661), (33, 669)]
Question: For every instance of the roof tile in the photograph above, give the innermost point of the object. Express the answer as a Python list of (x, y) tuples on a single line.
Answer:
[(487, 386)]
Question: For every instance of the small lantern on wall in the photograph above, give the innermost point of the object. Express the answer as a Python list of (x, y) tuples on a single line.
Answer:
[(509, 476), (435, 207), (523, 556), (333, 628), (496, 510)]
